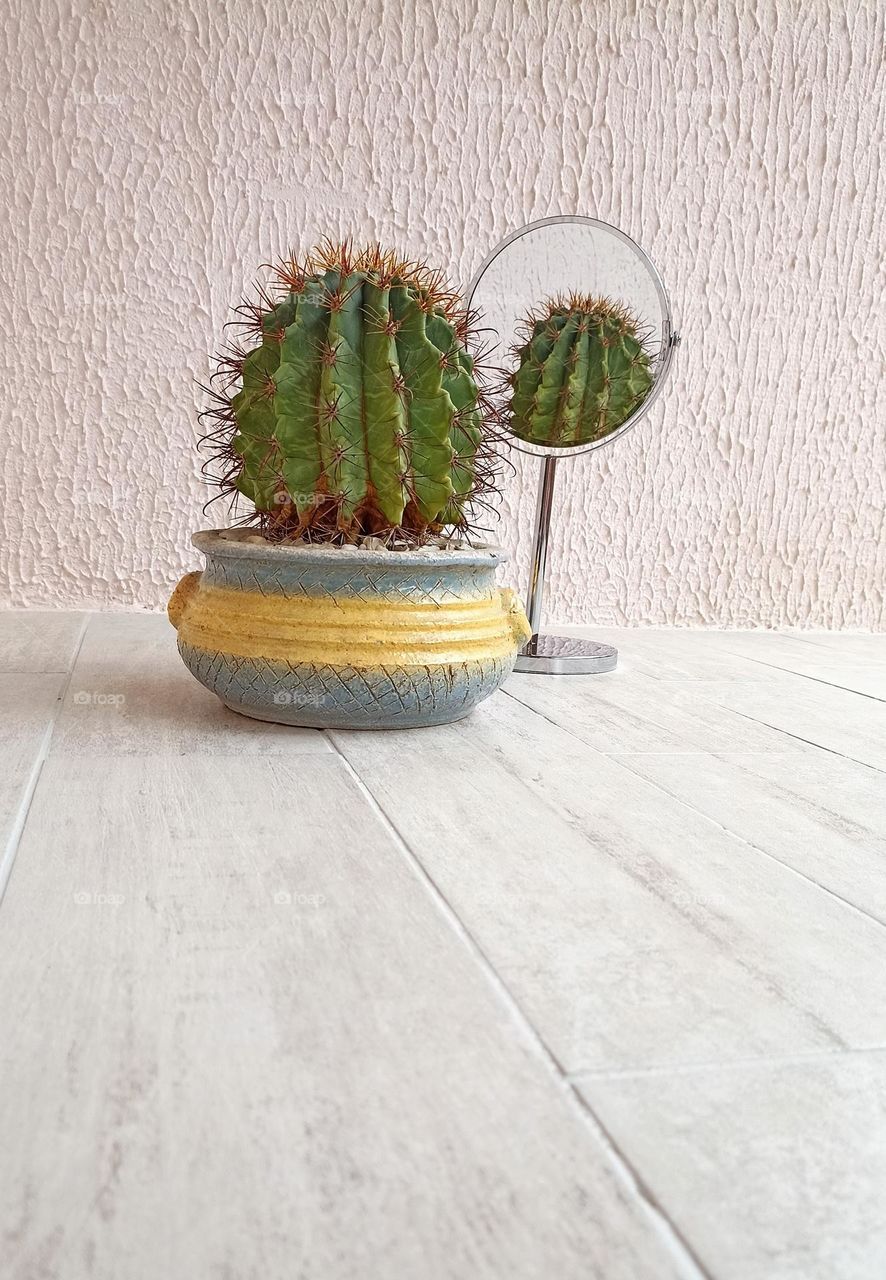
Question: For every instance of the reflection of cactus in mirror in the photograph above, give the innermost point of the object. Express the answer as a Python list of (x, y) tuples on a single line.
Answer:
[(583, 370), (359, 413)]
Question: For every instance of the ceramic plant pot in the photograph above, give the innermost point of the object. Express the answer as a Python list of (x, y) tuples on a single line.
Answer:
[(340, 637)]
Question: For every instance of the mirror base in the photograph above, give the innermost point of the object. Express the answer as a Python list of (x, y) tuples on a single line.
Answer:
[(565, 656)]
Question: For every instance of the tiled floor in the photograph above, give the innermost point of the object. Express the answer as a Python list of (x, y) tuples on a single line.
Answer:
[(592, 984)]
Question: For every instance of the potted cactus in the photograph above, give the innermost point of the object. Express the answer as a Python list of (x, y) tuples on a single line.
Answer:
[(353, 422), (582, 370)]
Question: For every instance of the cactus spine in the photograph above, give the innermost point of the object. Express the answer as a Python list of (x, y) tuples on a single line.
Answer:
[(359, 412), (582, 371)]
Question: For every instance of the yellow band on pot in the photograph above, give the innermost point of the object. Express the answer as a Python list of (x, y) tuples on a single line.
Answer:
[(348, 632)]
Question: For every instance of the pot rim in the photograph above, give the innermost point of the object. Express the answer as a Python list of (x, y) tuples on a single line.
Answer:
[(210, 542)]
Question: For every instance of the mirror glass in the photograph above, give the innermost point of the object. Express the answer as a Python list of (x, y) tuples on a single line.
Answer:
[(563, 256)]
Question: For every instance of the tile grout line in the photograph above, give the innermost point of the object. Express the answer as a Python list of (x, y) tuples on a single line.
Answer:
[(736, 835), (619, 759), (10, 852), (645, 720), (670, 1235), (797, 738), (596, 750), (715, 754), (718, 706), (722, 706), (804, 675), (727, 1064), (760, 662)]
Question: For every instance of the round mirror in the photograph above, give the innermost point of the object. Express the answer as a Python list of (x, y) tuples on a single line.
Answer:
[(585, 275), (578, 321)]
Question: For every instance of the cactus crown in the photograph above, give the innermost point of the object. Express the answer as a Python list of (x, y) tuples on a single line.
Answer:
[(359, 411), (582, 370)]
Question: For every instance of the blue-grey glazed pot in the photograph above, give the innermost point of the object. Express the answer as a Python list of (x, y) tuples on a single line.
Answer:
[(340, 637)]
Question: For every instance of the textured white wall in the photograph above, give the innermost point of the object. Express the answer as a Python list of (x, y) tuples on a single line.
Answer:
[(154, 152)]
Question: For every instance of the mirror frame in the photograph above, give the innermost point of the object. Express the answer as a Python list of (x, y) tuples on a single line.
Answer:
[(670, 339)]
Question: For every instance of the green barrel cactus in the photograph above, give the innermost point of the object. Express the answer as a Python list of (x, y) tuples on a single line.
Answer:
[(359, 412), (582, 371)]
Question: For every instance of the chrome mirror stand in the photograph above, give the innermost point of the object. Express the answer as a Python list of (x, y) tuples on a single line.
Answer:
[(547, 654), (569, 253)]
